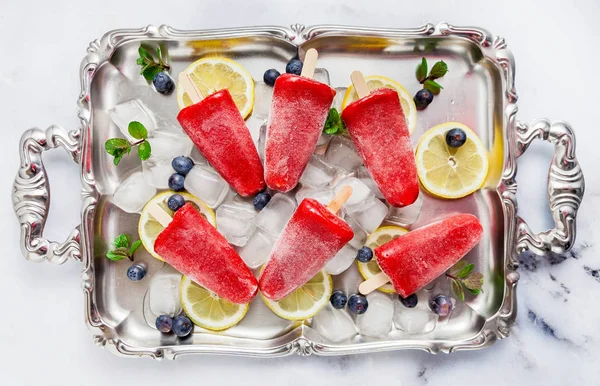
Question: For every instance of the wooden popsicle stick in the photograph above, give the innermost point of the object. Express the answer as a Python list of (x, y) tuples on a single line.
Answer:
[(189, 87), (360, 85), (370, 285), (340, 199), (310, 63), (159, 215)]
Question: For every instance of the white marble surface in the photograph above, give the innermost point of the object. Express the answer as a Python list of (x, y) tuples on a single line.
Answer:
[(557, 336)]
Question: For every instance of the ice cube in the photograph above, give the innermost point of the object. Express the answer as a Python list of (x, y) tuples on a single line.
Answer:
[(335, 325), (163, 293), (407, 215), (317, 173), (235, 221), (342, 153), (134, 110), (322, 195), (197, 157), (257, 249), (340, 93), (133, 193), (418, 320), (262, 140), (321, 75), (157, 172), (341, 261), (377, 321), (360, 235), (360, 193), (253, 123), (363, 174), (164, 110), (262, 100), (206, 184), (169, 145), (370, 214), (276, 214)]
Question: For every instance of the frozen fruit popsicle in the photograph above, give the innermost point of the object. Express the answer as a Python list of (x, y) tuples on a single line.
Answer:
[(415, 259), (218, 130), (378, 128), (298, 112), (195, 248), (311, 238)]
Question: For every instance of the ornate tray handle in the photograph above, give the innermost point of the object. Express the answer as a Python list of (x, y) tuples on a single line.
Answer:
[(31, 195), (565, 187)]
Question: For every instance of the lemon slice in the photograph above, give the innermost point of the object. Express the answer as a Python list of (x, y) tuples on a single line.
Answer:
[(451, 172), (306, 301), (210, 75), (206, 309), (379, 237), (149, 228), (377, 81)]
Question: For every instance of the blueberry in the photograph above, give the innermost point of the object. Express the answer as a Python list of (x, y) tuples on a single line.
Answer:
[(338, 299), (164, 323), (182, 326), (271, 76), (410, 301), (261, 200), (456, 137), (441, 305), (136, 272), (358, 304), (294, 66), (175, 202), (182, 164), (423, 98), (163, 83), (176, 182), (364, 255)]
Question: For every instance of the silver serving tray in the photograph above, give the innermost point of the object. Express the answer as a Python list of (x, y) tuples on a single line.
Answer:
[(479, 91)]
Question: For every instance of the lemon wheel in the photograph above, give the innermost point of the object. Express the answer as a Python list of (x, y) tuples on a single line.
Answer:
[(376, 81), (210, 75), (451, 172), (381, 236), (149, 228)]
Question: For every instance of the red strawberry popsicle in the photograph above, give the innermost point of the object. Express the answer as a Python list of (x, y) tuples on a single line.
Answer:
[(218, 130), (298, 112), (191, 245), (378, 128), (415, 259), (310, 239)]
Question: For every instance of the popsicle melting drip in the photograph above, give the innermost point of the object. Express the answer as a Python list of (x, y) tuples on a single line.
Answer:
[(298, 112), (415, 259), (379, 131), (311, 238), (191, 245), (218, 130)]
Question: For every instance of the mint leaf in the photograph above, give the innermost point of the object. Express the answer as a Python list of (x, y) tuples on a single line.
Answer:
[(475, 292), (422, 71), (121, 241), (474, 281), (150, 71), (111, 255), (134, 247), (144, 54), (137, 130), (432, 86), (465, 271), (438, 70), (457, 289), (334, 124), (456, 268), (140, 61), (144, 150), (116, 146)]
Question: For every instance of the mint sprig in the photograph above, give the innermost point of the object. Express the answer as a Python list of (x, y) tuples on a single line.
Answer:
[(118, 147), (438, 70), (149, 66), (123, 249), (463, 277), (334, 124)]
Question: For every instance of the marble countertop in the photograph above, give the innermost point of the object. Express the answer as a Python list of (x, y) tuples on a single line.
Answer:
[(556, 338)]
